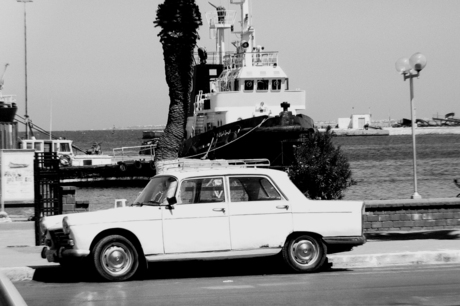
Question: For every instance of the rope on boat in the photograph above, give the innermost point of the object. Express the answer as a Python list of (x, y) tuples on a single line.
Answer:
[(207, 152)]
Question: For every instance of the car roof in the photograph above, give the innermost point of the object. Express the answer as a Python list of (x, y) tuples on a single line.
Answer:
[(182, 174)]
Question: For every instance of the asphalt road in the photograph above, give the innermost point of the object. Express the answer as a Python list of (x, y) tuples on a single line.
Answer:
[(411, 285)]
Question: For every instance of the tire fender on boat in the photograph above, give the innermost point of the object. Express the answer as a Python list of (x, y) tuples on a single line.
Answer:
[(152, 165), (122, 167), (138, 164), (65, 160)]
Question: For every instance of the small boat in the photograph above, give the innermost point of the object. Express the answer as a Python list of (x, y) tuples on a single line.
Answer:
[(243, 107), (16, 165)]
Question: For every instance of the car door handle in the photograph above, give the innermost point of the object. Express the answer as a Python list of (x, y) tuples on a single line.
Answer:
[(219, 209), (283, 207)]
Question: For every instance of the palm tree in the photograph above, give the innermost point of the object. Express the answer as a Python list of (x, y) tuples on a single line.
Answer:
[(179, 21)]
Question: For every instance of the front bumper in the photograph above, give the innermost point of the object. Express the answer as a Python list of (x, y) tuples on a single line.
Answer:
[(55, 255)]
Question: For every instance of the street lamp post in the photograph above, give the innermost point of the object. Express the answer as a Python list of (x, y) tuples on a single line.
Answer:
[(25, 66), (410, 69)]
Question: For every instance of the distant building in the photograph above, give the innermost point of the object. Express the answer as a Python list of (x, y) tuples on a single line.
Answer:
[(355, 122), (343, 123)]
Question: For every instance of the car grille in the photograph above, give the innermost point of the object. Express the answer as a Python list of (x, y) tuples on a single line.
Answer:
[(59, 238)]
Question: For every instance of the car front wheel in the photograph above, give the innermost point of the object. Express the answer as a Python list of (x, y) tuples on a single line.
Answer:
[(115, 258), (304, 253)]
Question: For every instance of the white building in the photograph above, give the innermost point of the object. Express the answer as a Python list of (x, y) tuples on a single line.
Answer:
[(355, 122)]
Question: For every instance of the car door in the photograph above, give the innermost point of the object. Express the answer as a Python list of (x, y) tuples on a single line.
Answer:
[(199, 221), (260, 217)]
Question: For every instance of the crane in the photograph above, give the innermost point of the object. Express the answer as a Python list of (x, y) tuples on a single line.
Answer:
[(2, 81)]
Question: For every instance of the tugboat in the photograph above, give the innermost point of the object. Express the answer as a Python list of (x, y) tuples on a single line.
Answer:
[(242, 107)]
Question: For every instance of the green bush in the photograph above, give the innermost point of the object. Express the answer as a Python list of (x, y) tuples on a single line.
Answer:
[(320, 170)]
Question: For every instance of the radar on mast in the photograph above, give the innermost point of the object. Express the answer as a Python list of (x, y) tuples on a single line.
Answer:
[(221, 13)]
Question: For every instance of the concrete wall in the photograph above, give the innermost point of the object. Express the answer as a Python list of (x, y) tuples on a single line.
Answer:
[(69, 204), (412, 215)]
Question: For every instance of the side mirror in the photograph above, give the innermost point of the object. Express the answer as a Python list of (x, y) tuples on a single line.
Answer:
[(171, 202)]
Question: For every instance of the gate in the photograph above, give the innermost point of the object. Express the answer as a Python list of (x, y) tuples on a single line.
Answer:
[(48, 200)]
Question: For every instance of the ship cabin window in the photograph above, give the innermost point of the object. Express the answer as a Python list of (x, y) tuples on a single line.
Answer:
[(276, 84), (47, 147), (262, 84), (287, 84), (236, 85), (64, 147), (38, 146), (249, 85)]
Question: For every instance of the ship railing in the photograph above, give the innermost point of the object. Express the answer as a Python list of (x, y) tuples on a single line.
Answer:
[(184, 164), (264, 58), (8, 98), (239, 60), (142, 152), (213, 58)]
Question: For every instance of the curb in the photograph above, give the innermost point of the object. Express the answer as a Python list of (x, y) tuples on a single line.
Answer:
[(19, 273), (394, 259), (338, 261)]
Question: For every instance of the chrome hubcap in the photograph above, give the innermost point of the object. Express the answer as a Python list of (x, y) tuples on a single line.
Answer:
[(116, 260), (304, 252)]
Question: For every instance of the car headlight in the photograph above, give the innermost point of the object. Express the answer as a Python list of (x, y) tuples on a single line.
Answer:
[(43, 229), (65, 225)]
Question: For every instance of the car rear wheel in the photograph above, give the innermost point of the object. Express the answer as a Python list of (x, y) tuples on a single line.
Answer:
[(115, 258), (304, 253)]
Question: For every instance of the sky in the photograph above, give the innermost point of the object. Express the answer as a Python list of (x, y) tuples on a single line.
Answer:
[(98, 64)]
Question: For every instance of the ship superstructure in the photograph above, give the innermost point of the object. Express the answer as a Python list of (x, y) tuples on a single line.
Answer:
[(242, 105)]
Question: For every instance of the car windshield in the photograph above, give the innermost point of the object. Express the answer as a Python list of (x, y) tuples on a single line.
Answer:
[(157, 191)]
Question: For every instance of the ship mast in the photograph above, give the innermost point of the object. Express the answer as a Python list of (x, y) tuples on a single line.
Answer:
[(247, 33), (220, 21)]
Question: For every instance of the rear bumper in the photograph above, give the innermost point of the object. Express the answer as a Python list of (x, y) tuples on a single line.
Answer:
[(343, 244), (348, 240)]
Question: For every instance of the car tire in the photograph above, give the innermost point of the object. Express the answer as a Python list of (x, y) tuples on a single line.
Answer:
[(304, 253), (115, 258)]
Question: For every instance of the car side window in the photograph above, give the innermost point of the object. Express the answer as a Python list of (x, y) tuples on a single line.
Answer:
[(205, 190), (244, 189)]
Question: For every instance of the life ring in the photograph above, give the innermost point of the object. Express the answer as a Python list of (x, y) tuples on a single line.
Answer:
[(137, 165), (65, 160)]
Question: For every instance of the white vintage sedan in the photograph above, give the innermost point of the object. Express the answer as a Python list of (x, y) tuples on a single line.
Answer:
[(207, 212)]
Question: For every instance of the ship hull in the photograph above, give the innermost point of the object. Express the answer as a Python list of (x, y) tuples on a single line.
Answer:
[(272, 138)]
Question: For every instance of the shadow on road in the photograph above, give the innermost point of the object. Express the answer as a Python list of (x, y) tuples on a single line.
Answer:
[(175, 270), (439, 235)]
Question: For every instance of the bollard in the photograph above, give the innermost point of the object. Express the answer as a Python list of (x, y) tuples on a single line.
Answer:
[(120, 203)]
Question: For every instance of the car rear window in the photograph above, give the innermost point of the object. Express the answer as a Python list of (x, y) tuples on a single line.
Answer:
[(244, 189)]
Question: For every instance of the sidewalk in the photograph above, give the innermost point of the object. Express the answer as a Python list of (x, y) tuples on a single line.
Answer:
[(19, 257)]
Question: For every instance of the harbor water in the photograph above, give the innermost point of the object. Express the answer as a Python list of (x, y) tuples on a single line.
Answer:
[(382, 166)]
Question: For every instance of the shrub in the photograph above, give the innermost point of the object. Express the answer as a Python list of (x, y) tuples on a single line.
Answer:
[(320, 170)]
